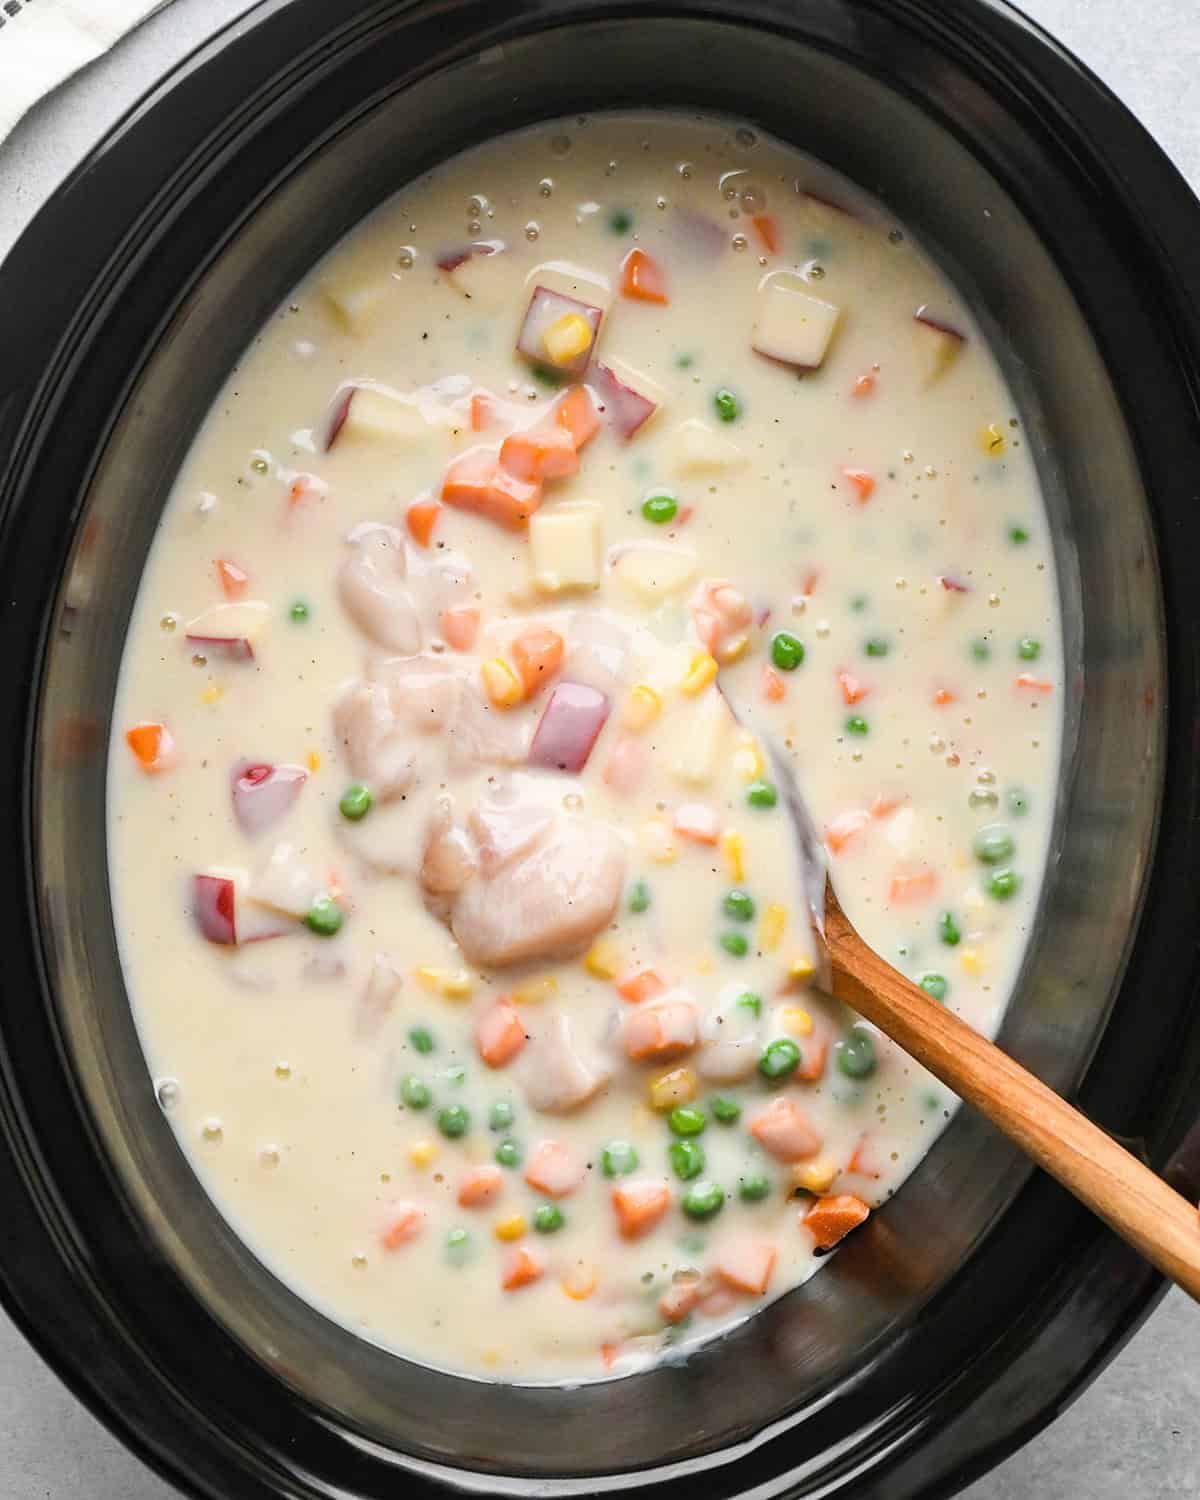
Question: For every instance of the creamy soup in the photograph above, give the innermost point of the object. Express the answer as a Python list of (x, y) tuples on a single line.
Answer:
[(605, 478)]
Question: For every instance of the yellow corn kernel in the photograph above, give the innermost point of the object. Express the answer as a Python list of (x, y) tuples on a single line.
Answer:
[(800, 970), (534, 991), (733, 850), (511, 1228), (501, 683), (656, 838), (991, 440), (580, 1281), (971, 960), (313, 760), (678, 1086), (567, 338), (701, 671), (704, 964), (603, 959), (797, 1020), (642, 707), (212, 692), (451, 984), (747, 762), (814, 1176), (772, 926), (491, 1358), (734, 649), (421, 1153)]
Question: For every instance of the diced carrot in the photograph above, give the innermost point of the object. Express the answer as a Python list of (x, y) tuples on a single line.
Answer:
[(639, 1206), (747, 1266), (576, 411), (883, 807), (1034, 684), (854, 690), (681, 1298), (627, 764), (609, 1354), (546, 451), (773, 685), (657, 1030), (832, 1218), (421, 517), (942, 697), (686, 512), (814, 1054), (863, 482), (785, 1131), (844, 827), (522, 1267), (644, 985), (912, 885), (153, 744), (553, 1170), (864, 385), (305, 487), (698, 822), (642, 278), (483, 409), (721, 616), (860, 1162), (480, 1185), (404, 1223), (811, 579), (500, 1033), (475, 482), (767, 229), (718, 1302), (233, 579), (460, 626), (537, 654)]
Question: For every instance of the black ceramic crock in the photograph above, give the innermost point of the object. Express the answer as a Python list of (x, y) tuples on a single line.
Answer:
[(981, 1299)]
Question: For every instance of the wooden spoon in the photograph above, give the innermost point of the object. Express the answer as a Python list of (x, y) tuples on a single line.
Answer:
[(1157, 1221)]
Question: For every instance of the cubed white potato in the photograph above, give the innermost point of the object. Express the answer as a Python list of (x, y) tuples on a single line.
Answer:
[(699, 731), (285, 883), (900, 830), (654, 571), (628, 397), (936, 345), (572, 280), (471, 271), (356, 302), (698, 449), (378, 416), (230, 630), (564, 547), (559, 331), (790, 324)]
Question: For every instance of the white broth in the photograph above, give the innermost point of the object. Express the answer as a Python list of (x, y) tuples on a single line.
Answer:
[(462, 921)]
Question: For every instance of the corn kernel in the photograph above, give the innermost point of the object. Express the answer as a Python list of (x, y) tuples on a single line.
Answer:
[(704, 964), (801, 969), (734, 649), (642, 707), (971, 960), (733, 850), (701, 671), (421, 1153), (534, 991), (501, 683), (657, 840), (603, 959), (511, 1228), (991, 440), (567, 338), (581, 1281), (451, 984), (678, 1086), (814, 1176), (491, 1358), (797, 1020), (212, 693), (771, 928), (747, 762), (313, 760)]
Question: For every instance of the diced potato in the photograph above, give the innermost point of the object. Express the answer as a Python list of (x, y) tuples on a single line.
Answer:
[(572, 280), (790, 324), (698, 734), (376, 415), (654, 571), (564, 547), (355, 302), (901, 830), (701, 450), (935, 346)]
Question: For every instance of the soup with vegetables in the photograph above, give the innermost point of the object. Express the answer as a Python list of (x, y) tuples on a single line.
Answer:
[(461, 911)]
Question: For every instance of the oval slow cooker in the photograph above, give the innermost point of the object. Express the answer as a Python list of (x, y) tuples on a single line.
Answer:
[(981, 1298)]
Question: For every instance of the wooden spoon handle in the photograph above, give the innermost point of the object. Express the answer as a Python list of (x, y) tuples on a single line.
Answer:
[(1128, 1196)]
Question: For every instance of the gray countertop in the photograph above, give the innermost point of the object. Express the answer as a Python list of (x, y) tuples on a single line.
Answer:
[(1135, 1434)]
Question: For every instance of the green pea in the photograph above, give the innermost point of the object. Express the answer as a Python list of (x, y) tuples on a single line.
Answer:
[(660, 508), (501, 1115), (686, 1119), (856, 1054), (949, 930), (458, 1246), (762, 793), (415, 1093), (620, 221), (981, 648), (779, 1058), (787, 652), (687, 1159), (619, 1158), (325, 917), (454, 1121), (508, 1154), (356, 802), (993, 844), (876, 647), (739, 905), (703, 1200), (1003, 884), (299, 611), (735, 944), (935, 985), (1028, 648), (548, 1217), (753, 1188), (1018, 801), (421, 1038), (858, 603), (748, 1000), (1018, 536), (684, 361), (551, 379), (856, 724), (726, 404), (639, 897), (726, 1111)]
